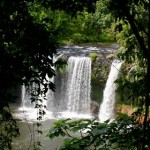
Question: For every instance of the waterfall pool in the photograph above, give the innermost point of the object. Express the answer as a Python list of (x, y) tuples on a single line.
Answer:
[(26, 117)]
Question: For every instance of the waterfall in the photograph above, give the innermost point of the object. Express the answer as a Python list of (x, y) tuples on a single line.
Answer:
[(50, 96), (26, 98), (73, 94), (26, 102), (107, 106), (79, 84)]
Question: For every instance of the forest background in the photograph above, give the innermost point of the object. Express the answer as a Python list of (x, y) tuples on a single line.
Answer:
[(32, 30)]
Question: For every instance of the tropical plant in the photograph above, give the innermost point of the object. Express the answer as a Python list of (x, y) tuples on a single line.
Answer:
[(124, 133), (133, 35)]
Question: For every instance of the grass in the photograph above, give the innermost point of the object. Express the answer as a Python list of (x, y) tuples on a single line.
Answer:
[(83, 39)]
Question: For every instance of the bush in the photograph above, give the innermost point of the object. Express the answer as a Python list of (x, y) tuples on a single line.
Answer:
[(124, 133)]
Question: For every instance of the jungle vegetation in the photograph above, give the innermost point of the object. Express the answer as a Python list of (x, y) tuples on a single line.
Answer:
[(30, 32)]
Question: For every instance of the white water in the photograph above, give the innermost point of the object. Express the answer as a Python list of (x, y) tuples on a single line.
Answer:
[(49, 103), (79, 84), (107, 107), (75, 103), (26, 102)]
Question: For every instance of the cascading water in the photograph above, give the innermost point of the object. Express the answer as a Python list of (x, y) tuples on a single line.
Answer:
[(79, 84), (26, 102), (73, 86), (107, 106), (73, 96)]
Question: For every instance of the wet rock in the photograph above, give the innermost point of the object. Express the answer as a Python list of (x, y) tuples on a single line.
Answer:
[(94, 108)]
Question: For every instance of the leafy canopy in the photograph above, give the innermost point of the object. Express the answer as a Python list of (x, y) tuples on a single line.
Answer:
[(28, 41)]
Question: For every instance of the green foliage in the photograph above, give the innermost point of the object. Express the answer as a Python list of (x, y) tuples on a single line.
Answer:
[(132, 30), (100, 70), (130, 83), (85, 27), (71, 7), (61, 65), (8, 129), (26, 54), (57, 22), (122, 133), (133, 37), (29, 32), (93, 56), (102, 19)]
